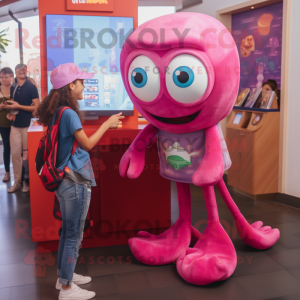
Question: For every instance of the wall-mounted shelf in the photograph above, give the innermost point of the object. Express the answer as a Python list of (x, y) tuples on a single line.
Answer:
[(255, 109)]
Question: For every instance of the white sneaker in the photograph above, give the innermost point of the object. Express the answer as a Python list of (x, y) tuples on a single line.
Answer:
[(75, 293), (25, 188), (15, 187), (6, 177), (77, 279)]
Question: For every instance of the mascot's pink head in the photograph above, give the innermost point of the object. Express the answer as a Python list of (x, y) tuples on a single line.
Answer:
[(181, 71)]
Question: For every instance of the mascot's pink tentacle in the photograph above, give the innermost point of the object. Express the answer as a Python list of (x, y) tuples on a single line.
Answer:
[(133, 161), (213, 258), (253, 235), (211, 168), (166, 247)]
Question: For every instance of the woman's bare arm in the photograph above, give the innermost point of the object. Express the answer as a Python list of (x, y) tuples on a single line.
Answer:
[(88, 143)]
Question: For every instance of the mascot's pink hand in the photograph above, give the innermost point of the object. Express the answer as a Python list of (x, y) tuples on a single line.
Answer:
[(132, 163), (211, 169)]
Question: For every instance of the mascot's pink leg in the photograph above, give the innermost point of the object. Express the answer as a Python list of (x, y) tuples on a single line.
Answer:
[(213, 258), (253, 235), (167, 247)]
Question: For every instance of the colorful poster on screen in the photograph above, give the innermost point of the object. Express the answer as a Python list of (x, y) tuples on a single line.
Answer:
[(258, 35), (95, 49), (91, 5)]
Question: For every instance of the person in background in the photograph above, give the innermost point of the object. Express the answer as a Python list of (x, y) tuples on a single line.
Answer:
[(268, 86), (32, 81), (6, 76), (27, 77), (25, 101)]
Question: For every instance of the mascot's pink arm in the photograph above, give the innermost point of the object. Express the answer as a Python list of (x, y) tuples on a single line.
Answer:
[(133, 161), (211, 168)]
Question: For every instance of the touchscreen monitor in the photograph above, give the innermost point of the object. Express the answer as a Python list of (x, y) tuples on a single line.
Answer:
[(93, 43)]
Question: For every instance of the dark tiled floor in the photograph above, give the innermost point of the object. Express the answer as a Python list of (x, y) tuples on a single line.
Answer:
[(272, 274)]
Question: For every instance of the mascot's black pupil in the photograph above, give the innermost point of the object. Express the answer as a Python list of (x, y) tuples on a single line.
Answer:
[(138, 78), (183, 77)]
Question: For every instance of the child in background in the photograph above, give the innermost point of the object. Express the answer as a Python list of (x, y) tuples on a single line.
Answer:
[(74, 192)]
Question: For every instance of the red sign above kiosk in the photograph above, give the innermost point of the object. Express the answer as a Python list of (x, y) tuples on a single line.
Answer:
[(91, 5)]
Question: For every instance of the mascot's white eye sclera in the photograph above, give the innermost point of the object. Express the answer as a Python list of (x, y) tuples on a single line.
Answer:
[(144, 79), (186, 78)]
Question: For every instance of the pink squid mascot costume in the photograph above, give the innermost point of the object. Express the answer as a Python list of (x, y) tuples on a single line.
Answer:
[(181, 73)]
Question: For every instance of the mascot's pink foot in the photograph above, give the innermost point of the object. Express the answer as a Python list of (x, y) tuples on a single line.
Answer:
[(213, 258), (195, 235), (255, 235), (164, 248)]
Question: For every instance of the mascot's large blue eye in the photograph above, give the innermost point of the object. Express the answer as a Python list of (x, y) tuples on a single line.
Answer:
[(139, 77), (186, 79), (183, 77), (143, 79)]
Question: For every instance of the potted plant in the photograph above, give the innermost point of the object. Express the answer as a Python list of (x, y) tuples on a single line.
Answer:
[(3, 40), (3, 43)]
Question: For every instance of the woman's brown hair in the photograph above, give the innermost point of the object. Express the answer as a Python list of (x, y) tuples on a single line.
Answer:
[(8, 71), (273, 85), (55, 99)]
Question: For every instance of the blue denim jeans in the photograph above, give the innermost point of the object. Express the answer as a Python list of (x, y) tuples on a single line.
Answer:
[(74, 200)]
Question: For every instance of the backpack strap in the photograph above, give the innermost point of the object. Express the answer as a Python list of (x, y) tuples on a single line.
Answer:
[(74, 146), (59, 113), (57, 117)]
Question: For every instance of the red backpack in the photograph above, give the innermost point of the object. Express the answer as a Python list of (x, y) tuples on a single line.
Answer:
[(46, 155)]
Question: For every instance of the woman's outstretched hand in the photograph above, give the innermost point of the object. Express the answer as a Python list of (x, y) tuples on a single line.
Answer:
[(114, 121)]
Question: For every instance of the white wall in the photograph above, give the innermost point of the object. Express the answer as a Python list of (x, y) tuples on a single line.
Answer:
[(147, 13), (209, 7), (293, 120), (31, 49), (292, 170)]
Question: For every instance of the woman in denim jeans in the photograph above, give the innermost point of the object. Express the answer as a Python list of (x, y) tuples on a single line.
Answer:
[(74, 192)]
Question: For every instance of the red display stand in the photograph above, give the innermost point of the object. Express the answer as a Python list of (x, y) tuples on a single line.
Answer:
[(119, 207)]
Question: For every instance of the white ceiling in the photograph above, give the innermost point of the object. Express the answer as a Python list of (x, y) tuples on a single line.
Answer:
[(20, 9)]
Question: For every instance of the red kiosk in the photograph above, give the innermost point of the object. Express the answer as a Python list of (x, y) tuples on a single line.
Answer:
[(119, 207)]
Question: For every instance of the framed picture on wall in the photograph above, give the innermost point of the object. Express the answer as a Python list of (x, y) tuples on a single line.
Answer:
[(258, 35)]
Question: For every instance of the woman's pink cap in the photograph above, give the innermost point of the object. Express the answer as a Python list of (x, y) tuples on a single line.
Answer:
[(67, 73)]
